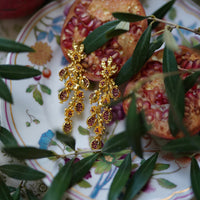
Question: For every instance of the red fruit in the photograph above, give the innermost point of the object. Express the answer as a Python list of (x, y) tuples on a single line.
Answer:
[(152, 98), (86, 15), (46, 72)]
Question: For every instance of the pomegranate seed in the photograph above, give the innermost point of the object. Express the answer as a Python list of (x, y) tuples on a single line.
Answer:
[(158, 114), (84, 32), (74, 21), (115, 55), (85, 18), (70, 26), (165, 114), (80, 9), (146, 105), (118, 61), (184, 63), (90, 24), (99, 52), (67, 43), (68, 33)]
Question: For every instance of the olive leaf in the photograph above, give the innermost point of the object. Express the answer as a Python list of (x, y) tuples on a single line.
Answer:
[(16, 72), (161, 166), (120, 178), (82, 167), (7, 45), (7, 138), (83, 131), (116, 143), (21, 172), (45, 89), (5, 92), (140, 177), (67, 139), (135, 63), (135, 128), (196, 47), (98, 37), (195, 177), (60, 183), (165, 183), (128, 17), (185, 42), (189, 144), (38, 96), (162, 11), (16, 194), (175, 92), (28, 152), (4, 191)]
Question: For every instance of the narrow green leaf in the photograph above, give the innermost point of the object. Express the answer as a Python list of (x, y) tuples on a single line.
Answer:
[(45, 89), (60, 183), (4, 191), (84, 184), (7, 45), (16, 195), (83, 131), (190, 80), (115, 33), (165, 183), (195, 177), (128, 17), (175, 92), (196, 47), (30, 195), (38, 96), (135, 128), (98, 38), (30, 88), (140, 177), (28, 152), (170, 41), (16, 72), (116, 143), (82, 167), (120, 178), (21, 172), (185, 42), (67, 139), (5, 92), (162, 11), (7, 138), (161, 166), (135, 63)]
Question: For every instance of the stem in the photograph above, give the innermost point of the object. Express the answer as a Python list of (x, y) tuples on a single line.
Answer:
[(173, 25)]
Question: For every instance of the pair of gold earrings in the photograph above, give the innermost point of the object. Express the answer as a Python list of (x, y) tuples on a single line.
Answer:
[(101, 113)]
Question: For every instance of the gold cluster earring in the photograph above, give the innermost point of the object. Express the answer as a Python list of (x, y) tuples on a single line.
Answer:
[(75, 81), (101, 114)]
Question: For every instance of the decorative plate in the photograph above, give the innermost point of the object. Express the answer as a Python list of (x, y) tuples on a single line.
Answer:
[(37, 113)]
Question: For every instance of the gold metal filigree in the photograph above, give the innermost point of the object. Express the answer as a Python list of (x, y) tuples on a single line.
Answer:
[(75, 81), (101, 114)]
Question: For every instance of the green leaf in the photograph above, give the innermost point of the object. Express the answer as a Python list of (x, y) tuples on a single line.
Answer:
[(120, 178), (28, 152), (161, 166), (45, 89), (5, 92), (189, 144), (135, 63), (30, 88), (140, 177), (4, 191), (195, 177), (175, 92), (16, 195), (83, 131), (135, 128), (128, 17), (84, 184), (162, 11), (170, 41), (98, 37), (67, 139), (61, 182), (38, 96), (16, 72), (21, 172), (116, 143), (190, 80), (30, 195), (165, 183), (7, 45), (196, 47), (7, 138), (82, 167), (185, 42)]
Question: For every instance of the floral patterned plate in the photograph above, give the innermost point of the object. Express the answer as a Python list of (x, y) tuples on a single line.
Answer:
[(37, 113)]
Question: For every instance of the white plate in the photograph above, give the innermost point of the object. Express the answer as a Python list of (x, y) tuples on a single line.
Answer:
[(32, 124)]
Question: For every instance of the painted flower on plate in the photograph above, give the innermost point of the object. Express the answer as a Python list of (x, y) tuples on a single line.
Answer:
[(46, 139)]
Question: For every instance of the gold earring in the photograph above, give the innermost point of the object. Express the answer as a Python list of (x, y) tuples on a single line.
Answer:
[(101, 114), (74, 81)]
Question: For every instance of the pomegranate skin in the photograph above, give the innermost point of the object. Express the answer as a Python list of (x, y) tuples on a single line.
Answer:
[(85, 16), (152, 98)]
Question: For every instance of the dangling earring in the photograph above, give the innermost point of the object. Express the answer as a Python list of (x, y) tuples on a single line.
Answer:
[(74, 81), (101, 114)]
